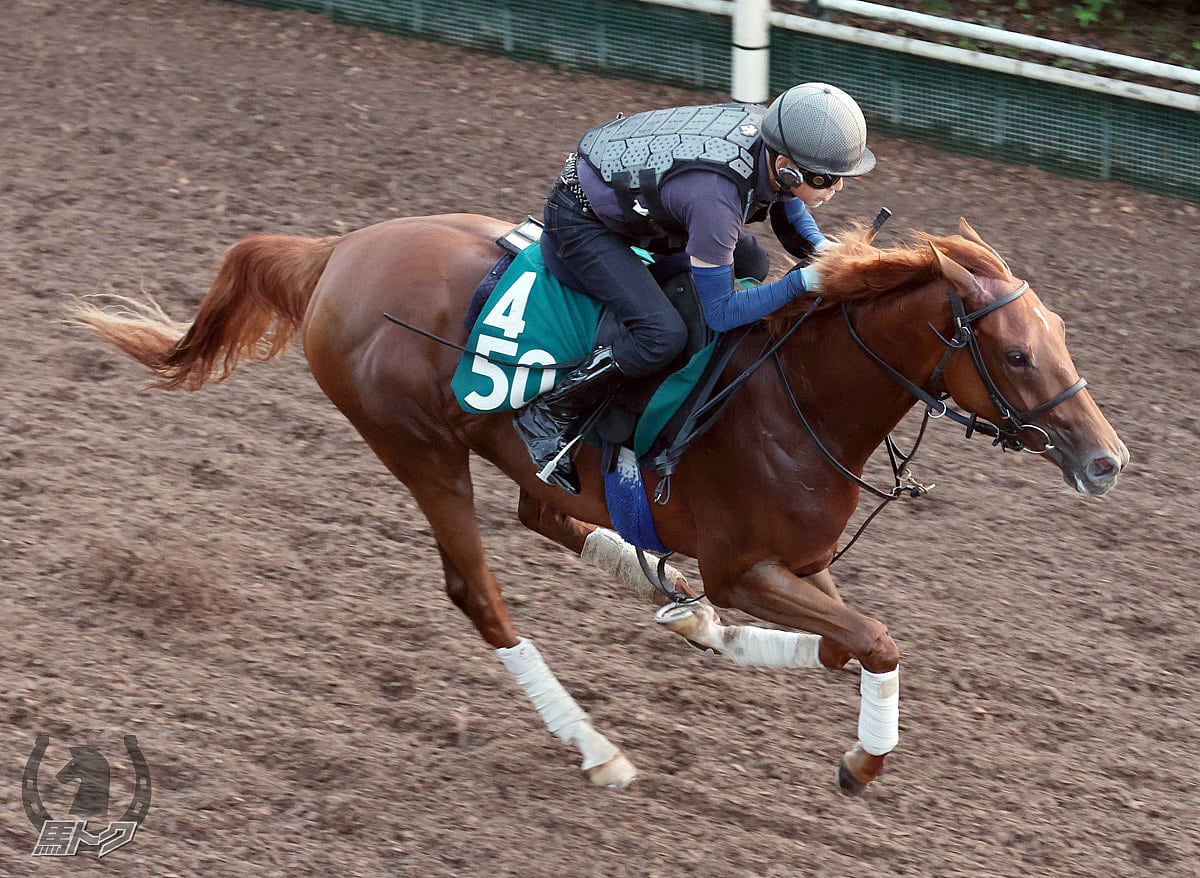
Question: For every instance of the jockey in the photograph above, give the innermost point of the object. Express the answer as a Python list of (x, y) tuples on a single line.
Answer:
[(683, 179)]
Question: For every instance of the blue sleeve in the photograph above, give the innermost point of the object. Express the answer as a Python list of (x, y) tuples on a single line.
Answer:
[(726, 308), (802, 220)]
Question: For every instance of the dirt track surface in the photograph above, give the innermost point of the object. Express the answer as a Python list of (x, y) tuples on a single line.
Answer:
[(233, 578)]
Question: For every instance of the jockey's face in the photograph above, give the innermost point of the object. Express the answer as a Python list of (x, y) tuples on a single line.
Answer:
[(810, 195), (815, 197)]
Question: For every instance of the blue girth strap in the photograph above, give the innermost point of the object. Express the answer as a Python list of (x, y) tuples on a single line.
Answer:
[(627, 504)]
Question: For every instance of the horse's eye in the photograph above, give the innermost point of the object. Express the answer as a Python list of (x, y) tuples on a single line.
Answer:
[(1018, 359)]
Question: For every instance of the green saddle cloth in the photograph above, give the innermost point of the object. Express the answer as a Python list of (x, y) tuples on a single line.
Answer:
[(531, 320)]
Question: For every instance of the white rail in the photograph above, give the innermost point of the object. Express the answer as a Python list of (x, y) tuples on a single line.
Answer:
[(1017, 41), (750, 69), (981, 60), (984, 61), (712, 7)]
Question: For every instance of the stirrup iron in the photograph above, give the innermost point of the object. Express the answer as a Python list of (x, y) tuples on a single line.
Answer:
[(548, 470)]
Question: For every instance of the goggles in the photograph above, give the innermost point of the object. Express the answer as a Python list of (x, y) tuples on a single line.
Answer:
[(819, 181)]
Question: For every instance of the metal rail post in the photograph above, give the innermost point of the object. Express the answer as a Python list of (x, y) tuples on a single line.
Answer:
[(751, 51)]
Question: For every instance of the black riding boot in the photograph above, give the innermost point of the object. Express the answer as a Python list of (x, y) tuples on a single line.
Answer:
[(549, 425)]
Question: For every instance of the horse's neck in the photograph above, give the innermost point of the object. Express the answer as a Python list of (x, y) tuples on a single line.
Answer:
[(851, 402)]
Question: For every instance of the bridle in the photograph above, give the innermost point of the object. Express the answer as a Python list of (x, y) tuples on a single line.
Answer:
[(1007, 434), (1014, 421)]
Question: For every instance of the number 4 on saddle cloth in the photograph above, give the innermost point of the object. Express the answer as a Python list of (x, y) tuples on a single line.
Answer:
[(523, 319)]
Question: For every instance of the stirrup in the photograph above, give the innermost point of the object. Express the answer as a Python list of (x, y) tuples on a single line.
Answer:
[(548, 470)]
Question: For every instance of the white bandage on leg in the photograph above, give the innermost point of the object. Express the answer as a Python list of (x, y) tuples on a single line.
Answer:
[(879, 714), (766, 648), (563, 717), (605, 550), (746, 645)]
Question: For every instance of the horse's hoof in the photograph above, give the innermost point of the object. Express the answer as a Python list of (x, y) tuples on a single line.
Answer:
[(615, 774), (680, 618), (686, 620), (847, 782), (857, 769)]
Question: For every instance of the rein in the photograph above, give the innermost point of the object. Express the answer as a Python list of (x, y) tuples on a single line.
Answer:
[(1015, 421), (904, 484), (1006, 435)]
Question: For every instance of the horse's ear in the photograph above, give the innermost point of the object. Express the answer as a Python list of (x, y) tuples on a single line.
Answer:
[(964, 229), (962, 279)]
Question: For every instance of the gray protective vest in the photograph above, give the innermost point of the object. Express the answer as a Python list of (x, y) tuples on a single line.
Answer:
[(636, 154)]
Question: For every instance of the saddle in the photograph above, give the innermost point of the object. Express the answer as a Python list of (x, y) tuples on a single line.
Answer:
[(654, 438), (656, 417)]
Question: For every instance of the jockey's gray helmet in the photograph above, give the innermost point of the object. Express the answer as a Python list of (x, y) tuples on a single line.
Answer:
[(820, 128)]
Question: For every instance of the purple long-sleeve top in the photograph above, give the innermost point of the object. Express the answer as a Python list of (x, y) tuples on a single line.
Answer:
[(705, 202)]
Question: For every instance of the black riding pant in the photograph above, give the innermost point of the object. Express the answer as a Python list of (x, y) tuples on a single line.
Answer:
[(587, 256)]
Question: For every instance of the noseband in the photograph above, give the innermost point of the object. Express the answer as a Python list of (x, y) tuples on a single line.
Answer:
[(1014, 421)]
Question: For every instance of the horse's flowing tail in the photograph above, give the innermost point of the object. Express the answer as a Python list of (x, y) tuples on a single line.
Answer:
[(253, 309)]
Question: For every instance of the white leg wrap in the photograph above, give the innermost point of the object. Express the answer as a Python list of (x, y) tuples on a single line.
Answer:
[(605, 550), (766, 648), (563, 717), (745, 644), (879, 714)]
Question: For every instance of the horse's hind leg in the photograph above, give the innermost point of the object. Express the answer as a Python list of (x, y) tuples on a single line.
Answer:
[(598, 546), (441, 484), (698, 623)]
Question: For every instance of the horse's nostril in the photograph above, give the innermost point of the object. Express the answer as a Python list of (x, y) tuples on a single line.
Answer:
[(1102, 467)]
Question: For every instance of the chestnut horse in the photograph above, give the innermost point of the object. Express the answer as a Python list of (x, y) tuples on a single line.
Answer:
[(753, 499)]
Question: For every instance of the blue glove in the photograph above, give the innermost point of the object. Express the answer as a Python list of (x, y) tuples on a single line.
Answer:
[(725, 308)]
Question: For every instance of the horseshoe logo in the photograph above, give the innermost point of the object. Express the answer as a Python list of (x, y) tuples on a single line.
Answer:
[(32, 800), (141, 790), (30, 797)]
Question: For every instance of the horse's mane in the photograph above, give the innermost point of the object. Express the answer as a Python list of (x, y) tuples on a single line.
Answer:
[(857, 271)]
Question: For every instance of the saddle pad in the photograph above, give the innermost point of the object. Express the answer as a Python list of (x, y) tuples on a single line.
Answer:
[(530, 319), (668, 398)]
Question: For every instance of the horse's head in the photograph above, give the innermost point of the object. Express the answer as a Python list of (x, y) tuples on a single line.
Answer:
[(1018, 373), (91, 770)]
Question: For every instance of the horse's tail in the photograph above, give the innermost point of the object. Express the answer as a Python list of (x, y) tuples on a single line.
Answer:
[(253, 309)]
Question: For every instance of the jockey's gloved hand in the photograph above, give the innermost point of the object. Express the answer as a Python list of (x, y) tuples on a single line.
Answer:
[(725, 308)]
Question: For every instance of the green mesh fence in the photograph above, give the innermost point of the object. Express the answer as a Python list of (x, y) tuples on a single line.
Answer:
[(611, 37), (993, 115), (1004, 117)]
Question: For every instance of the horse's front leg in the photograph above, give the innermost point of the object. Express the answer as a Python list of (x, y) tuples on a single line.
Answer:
[(771, 592), (753, 647)]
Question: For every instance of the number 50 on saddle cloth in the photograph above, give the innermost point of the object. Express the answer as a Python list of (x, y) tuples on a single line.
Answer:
[(531, 320)]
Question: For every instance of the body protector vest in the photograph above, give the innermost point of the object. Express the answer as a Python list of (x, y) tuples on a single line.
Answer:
[(636, 154)]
